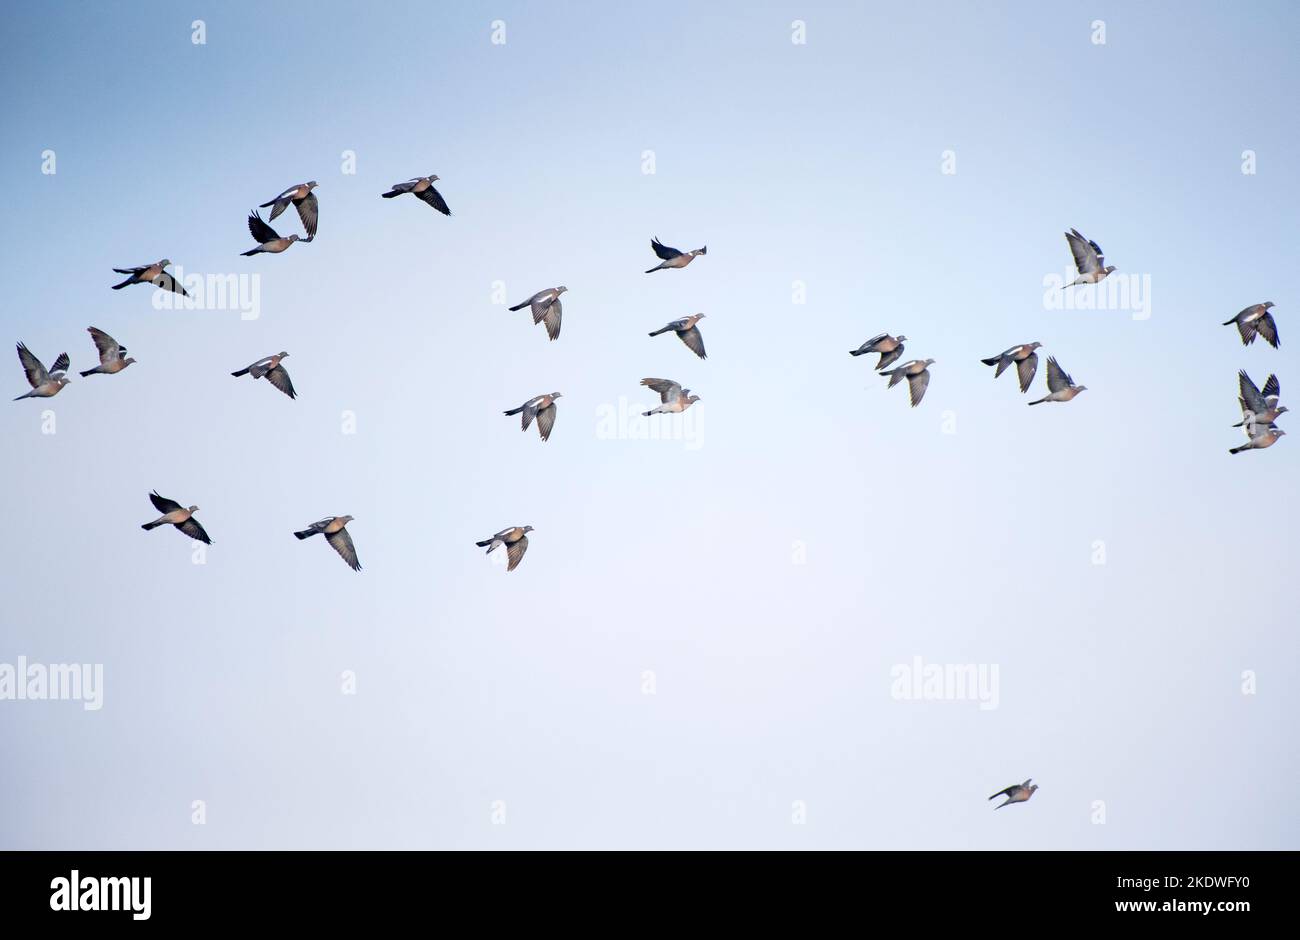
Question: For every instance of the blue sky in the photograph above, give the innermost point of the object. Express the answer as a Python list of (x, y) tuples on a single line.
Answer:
[(816, 532)]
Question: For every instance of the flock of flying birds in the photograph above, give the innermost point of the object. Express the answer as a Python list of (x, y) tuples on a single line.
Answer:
[(1260, 408), (545, 307)]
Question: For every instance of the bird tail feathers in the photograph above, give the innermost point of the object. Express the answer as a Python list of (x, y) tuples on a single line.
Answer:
[(130, 280), (151, 525), (305, 533), (519, 306), (89, 372)]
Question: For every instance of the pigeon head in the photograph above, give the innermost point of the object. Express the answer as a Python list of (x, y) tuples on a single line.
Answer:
[(694, 398), (560, 290), (701, 251), (929, 362), (1033, 788), (1282, 409), (1081, 388), (292, 239), (347, 519), (283, 354), (699, 316), (1110, 268), (194, 509), (127, 361), (528, 528), (555, 395), (433, 178), (901, 337), (1278, 432), (312, 185), (1035, 345), (1268, 304), (163, 263)]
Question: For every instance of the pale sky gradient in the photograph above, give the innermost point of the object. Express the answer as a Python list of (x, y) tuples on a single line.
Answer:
[(817, 163)]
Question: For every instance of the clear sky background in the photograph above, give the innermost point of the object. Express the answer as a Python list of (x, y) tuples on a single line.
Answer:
[(821, 532)]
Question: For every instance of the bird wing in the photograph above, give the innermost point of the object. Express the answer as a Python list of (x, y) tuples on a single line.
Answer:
[(36, 374), (131, 270), (1006, 792), (668, 390), (546, 421), (889, 357), (167, 282), (552, 318), (280, 379), (1250, 395), (308, 211), (109, 351), (60, 364), (342, 543), (540, 303), (870, 344), (434, 198), (261, 232), (663, 251), (917, 384), (1267, 328), (1026, 368), (515, 552), (694, 341), (1272, 388), (163, 504), (1056, 377), (1087, 254), (404, 187), (192, 528)]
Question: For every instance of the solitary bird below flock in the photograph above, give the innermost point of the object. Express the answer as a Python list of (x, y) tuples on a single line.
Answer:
[(1254, 320), (334, 528), (304, 200), (514, 539), (1259, 407), (688, 333), (1060, 387), (45, 383), (672, 258), (1024, 357), (674, 399), (1017, 793), (267, 239), (1088, 258), (542, 408), (889, 347), (173, 513), (546, 307), (112, 357), (917, 373), (151, 274), (269, 367), (422, 188)]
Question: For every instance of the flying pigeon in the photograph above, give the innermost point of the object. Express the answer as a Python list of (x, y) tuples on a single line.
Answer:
[(672, 258), (151, 274), (1024, 357), (917, 373), (687, 332), (112, 357), (1060, 387), (334, 528), (302, 198), (45, 383), (1257, 407), (1088, 258), (674, 398), (1261, 436), (1016, 793), (889, 347), (546, 306), (270, 367), (172, 513), (542, 408), (422, 187), (1254, 320), (514, 539), (265, 236)]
